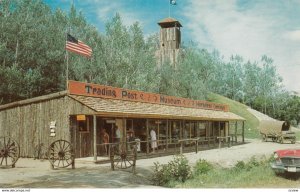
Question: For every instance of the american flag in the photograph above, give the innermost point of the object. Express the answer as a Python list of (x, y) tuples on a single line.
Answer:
[(77, 46), (173, 2)]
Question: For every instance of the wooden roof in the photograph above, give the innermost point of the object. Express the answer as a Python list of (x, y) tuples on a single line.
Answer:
[(113, 107), (169, 22), (34, 100)]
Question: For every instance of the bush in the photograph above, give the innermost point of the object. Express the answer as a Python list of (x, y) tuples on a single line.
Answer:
[(202, 167), (241, 165), (176, 170)]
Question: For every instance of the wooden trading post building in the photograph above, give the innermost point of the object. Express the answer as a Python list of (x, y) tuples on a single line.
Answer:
[(83, 111)]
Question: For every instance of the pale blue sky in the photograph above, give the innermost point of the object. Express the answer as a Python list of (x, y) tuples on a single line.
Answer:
[(249, 28)]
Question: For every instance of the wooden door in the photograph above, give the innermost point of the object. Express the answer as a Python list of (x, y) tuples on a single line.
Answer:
[(82, 136)]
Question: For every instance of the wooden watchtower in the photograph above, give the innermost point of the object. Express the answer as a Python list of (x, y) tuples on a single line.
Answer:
[(170, 40)]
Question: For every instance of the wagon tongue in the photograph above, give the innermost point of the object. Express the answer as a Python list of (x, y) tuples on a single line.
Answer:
[(289, 152)]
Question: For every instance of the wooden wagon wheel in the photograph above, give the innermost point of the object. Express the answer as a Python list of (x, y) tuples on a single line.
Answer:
[(264, 137), (123, 158), (60, 154), (280, 139), (9, 152), (293, 140)]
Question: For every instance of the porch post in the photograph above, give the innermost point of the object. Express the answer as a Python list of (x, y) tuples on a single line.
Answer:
[(243, 132), (147, 135), (180, 129), (167, 135), (158, 138), (219, 129), (235, 132), (95, 137)]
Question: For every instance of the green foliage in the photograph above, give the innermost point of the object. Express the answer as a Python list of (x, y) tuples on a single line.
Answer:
[(202, 167), (33, 62), (251, 123), (251, 174), (240, 165), (252, 163), (176, 170)]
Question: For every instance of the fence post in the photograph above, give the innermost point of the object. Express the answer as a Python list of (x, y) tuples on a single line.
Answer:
[(134, 158), (181, 147), (197, 146), (112, 164), (208, 141)]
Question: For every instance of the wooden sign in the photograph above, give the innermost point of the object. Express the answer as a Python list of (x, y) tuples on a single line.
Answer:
[(110, 121), (52, 124), (95, 90), (52, 128), (80, 117)]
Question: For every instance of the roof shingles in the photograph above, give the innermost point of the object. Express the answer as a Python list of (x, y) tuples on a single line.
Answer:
[(109, 106)]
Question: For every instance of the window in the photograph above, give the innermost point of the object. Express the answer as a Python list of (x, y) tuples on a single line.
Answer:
[(83, 125)]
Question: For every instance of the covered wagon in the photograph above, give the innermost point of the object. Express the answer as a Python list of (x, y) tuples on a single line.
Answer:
[(277, 131)]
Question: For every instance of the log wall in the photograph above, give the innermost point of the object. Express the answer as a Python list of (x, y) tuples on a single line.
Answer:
[(29, 124)]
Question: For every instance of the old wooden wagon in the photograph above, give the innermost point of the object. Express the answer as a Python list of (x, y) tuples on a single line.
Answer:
[(277, 131)]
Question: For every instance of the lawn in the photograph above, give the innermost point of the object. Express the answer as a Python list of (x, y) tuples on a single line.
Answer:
[(253, 175)]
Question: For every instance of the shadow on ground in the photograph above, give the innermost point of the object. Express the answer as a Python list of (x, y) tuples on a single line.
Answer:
[(99, 177), (289, 176)]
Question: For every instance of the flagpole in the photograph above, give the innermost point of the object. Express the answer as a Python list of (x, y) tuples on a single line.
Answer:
[(67, 54), (169, 8), (67, 71), (67, 60)]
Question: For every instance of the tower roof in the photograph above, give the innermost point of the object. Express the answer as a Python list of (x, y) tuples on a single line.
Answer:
[(169, 22)]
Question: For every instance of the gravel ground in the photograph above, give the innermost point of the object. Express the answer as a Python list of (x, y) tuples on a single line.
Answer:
[(31, 173)]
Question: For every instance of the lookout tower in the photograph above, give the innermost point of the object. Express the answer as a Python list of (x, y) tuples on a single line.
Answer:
[(169, 40)]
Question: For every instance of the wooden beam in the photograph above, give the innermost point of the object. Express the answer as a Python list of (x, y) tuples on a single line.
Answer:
[(34, 100), (167, 135), (243, 132), (95, 136), (147, 135), (235, 132)]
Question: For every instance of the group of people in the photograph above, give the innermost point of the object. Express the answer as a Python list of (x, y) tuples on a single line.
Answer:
[(130, 137)]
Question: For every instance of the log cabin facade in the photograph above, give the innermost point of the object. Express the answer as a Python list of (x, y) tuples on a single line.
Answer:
[(83, 111)]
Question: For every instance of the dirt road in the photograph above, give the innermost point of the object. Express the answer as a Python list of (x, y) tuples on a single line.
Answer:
[(31, 173)]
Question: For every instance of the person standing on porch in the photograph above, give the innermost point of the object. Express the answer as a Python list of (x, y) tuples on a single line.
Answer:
[(118, 134), (105, 140), (153, 140)]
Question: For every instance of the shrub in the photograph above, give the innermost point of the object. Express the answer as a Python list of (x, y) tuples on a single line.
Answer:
[(176, 170), (241, 165), (202, 167)]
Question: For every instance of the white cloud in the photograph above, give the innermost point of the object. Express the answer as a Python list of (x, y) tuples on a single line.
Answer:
[(105, 10), (251, 32), (293, 35)]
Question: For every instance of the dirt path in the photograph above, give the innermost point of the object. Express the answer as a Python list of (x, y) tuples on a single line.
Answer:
[(31, 173)]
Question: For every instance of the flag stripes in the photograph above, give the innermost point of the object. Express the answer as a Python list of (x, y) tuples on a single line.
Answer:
[(77, 46)]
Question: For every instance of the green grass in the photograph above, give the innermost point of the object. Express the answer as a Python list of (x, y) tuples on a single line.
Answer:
[(259, 176), (251, 124), (298, 136)]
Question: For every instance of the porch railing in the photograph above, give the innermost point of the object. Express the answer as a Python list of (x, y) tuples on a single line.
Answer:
[(143, 147)]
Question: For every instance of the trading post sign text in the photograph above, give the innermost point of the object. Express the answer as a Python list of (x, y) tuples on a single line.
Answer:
[(96, 90)]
